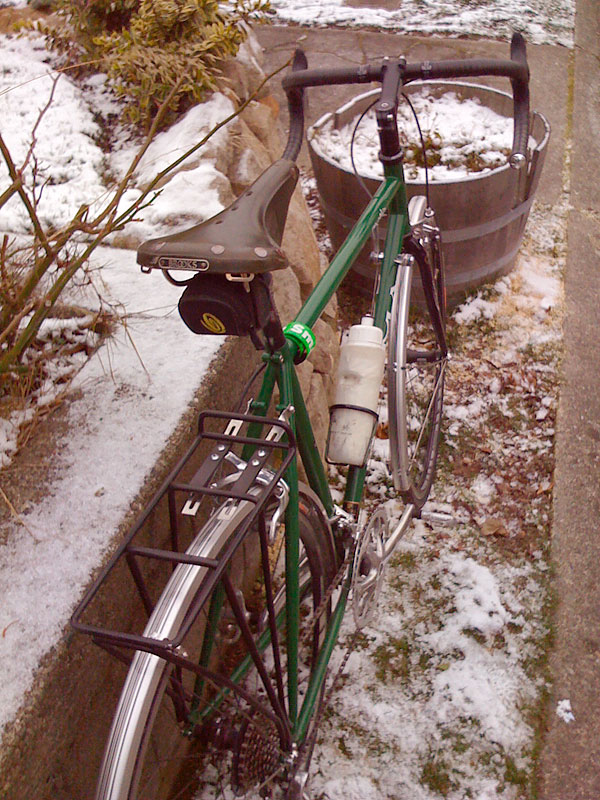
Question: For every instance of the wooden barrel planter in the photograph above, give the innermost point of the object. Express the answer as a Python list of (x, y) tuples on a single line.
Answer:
[(482, 216)]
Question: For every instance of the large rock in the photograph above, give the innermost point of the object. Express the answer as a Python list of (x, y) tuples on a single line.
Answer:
[(259, 142)]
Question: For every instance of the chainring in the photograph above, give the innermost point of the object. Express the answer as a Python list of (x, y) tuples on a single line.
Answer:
[(369, 567)]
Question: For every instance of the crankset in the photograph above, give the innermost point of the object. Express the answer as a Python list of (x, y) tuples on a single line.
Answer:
[(369, 567)]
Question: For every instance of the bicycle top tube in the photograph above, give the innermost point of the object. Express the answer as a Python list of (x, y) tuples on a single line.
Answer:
[(393, 74)]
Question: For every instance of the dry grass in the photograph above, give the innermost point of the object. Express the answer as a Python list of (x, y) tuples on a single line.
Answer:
[(40, 384)]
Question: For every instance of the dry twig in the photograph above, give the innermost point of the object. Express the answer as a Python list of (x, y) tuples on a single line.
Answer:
[(18, 517)]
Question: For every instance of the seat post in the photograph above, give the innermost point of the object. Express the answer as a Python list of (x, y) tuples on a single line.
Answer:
[(272, 328)]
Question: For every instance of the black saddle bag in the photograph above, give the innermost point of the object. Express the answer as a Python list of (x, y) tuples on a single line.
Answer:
[(214, 305)]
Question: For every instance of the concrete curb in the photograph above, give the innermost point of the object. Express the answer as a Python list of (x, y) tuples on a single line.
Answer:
[(52, 750)]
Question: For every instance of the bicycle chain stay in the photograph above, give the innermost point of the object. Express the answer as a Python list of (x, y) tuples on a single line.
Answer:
[(295, 759), (326, 698)]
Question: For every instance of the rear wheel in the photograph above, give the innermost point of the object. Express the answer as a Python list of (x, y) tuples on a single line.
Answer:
[(171, 721), (415, 377)]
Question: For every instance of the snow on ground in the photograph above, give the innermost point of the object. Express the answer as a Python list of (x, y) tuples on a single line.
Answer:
[(134, 389), (131, 401), (440, 694), (540, 21), (445, 685), (199, 175), (68, 160), (70, 164)]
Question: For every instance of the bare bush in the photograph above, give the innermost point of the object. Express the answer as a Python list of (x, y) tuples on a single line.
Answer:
[(36, 269)]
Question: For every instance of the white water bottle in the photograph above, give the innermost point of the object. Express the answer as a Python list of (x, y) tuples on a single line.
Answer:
[(354, 412)]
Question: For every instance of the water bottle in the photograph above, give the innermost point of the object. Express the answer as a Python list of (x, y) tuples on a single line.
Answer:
[(353, 415)]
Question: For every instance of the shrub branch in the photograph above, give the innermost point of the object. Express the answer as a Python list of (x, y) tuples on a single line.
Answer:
[(56, 248)]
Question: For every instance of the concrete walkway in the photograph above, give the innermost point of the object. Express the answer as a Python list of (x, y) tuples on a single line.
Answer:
[(565, 86), (570, 763)]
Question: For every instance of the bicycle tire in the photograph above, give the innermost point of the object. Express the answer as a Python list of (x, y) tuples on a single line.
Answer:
[(145, 727), (415, 380)]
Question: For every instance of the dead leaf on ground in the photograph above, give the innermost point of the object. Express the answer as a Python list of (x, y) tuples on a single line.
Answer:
[(493, 527), (14, 622), (382, 431)]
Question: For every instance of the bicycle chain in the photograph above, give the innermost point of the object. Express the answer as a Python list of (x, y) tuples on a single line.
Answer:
[(320, 610), (233, 711), (310, 741)]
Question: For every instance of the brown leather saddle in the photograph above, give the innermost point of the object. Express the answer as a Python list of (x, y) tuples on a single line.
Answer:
[(243, 238)]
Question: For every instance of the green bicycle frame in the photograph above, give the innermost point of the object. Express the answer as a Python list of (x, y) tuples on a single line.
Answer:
[(280, 370)]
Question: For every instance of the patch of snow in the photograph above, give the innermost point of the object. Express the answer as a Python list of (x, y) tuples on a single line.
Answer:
[(9, 432), (486, 689), (197, 186), (133, 394), (541, 22), (483, 489), (68, 162), (540, 284), (130, 404), (456, 130), (351, 786), (565, 712), (475, 309), (471, 410)]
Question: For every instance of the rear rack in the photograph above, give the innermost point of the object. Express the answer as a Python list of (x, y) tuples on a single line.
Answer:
[(254, 483)]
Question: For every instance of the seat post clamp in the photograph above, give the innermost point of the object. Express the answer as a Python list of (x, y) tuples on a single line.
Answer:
[(303, 337)]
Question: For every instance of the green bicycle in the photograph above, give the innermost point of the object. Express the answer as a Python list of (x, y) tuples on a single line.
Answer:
[(260, 566)]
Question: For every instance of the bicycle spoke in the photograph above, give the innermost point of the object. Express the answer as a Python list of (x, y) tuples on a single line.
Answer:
[(439, 380)]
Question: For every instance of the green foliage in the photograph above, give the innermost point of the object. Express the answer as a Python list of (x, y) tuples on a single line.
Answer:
[(155, 51), (436, 776), (392, 660), (85, 20), (514, 775)]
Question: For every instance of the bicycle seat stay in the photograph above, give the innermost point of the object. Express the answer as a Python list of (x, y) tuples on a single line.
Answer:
[(243, 238)]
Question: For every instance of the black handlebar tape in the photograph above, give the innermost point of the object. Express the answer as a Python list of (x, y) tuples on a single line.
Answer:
[(295, 98), (518, 53), (516, 69), (300, 77), (331, 76)]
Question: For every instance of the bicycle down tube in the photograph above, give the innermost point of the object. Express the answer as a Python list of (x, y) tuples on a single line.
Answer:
[(391, 196)]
